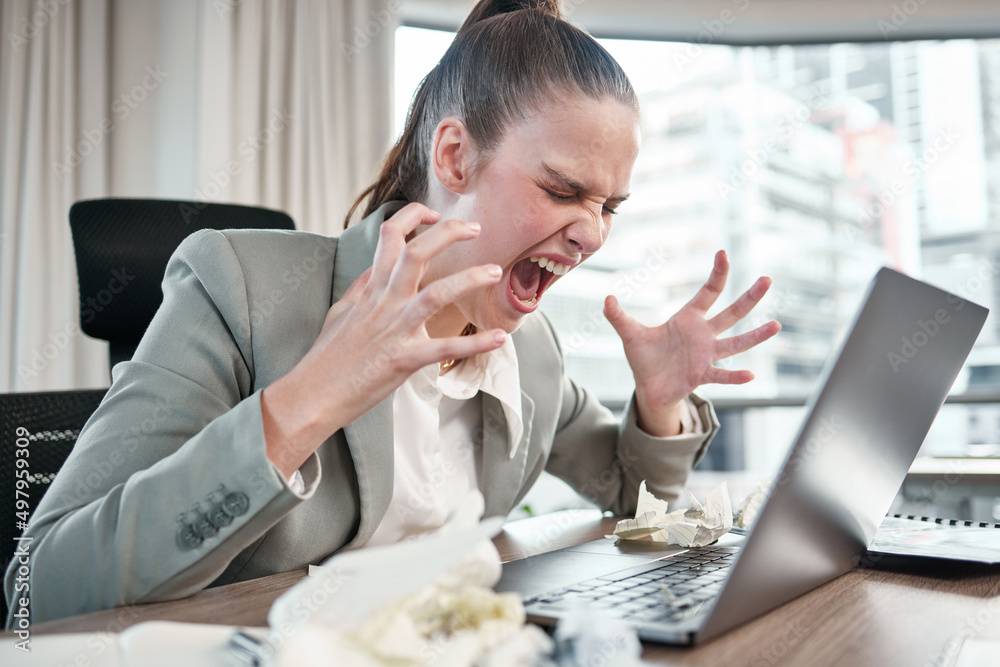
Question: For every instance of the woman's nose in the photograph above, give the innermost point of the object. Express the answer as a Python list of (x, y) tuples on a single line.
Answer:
[(587, 232)]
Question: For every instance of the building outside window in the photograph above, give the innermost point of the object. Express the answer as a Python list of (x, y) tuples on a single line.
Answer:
[(815, 165)]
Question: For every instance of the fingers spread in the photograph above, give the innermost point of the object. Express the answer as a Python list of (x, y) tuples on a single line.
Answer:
[(722, 376), (742, 306), (409, 270), (446, 290), (727, 347), (392, 239), (351, 296), (460, 347), (356, 288), (711, 290), (623, 323)]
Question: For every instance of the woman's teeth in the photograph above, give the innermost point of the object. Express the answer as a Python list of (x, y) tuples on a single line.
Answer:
[(550, 265)]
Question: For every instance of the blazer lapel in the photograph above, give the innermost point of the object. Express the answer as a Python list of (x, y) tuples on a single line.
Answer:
[(503, 476), (370, 440), (370, 437), (356, 249)]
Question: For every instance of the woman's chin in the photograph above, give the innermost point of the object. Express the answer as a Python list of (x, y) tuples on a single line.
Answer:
[(509, 321)]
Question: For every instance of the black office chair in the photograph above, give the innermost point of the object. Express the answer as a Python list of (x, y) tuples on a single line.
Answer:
[(122, 247), (46, 425)]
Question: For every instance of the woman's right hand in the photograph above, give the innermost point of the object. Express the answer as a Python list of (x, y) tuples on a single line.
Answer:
[(374, 337)]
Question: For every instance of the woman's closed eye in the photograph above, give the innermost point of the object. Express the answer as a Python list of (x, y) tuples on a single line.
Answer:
[(567, 198), (560, 197)]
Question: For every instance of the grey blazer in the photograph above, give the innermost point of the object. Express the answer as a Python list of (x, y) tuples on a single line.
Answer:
[(169, 490)]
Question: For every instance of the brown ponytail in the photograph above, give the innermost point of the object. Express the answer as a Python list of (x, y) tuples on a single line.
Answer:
[(508, 59)]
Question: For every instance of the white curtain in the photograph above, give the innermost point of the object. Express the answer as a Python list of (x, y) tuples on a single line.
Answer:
[(53, 151), (279, 104), (295, 106)]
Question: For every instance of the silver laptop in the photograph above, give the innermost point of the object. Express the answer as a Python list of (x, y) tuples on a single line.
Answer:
[(861, 432)]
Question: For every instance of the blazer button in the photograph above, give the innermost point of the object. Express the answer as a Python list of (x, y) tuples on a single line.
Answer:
[(188, 537), (219, 517), (236, 503), (205, 527)]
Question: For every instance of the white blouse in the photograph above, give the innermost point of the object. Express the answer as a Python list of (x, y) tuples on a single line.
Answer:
[(437, 451), (437, 443)]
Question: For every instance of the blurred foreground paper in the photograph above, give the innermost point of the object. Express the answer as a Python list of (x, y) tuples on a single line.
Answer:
[(695, 527), (348, 587), (426, 601), (750, 507)]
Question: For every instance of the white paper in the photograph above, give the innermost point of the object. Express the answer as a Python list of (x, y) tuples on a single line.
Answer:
[(750, 507), (695, 527), (168, 644), (97, 649), (348, 587), (381, 606)]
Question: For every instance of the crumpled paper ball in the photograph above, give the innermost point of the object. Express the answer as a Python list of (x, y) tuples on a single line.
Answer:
[(698, 526), (751, 505)]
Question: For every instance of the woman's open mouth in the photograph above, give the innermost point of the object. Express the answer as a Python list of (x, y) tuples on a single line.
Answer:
[(529, 278)]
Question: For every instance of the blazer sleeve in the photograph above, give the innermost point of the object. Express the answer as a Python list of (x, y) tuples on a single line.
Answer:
[(176, 446), (605, 459)]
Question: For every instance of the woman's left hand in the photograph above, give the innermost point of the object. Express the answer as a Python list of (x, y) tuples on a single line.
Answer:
[(672, 360)]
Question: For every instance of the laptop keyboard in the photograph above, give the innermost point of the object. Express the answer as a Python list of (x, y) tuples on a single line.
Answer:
[(668, 590)]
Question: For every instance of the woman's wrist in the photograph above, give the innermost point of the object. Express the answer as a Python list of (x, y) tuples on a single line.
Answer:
[(293, 426), (664, 422)]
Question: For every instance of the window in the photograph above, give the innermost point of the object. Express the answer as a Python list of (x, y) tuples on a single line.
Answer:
[(813, 164)]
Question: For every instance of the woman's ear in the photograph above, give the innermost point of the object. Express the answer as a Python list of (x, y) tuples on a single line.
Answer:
[(451, 154)]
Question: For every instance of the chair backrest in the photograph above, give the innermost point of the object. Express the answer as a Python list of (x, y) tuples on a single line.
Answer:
[(122, 247), (44, 426)]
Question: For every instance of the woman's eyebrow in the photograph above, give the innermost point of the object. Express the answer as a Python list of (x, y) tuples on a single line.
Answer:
[(574, 184)]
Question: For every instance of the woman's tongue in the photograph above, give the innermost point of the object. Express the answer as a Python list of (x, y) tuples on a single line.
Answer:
[(525, 278)]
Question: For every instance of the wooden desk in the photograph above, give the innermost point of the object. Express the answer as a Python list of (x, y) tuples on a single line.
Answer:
[(866, 617)]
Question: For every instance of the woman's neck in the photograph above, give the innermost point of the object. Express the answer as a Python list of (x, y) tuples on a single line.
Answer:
[(449, 321)]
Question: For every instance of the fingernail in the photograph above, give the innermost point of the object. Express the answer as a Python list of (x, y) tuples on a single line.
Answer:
[(499, 336), (494, 271), (474, 226)]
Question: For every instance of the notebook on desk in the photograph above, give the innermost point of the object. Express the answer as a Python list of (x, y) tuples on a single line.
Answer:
[(904, 538), (863, 427)]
